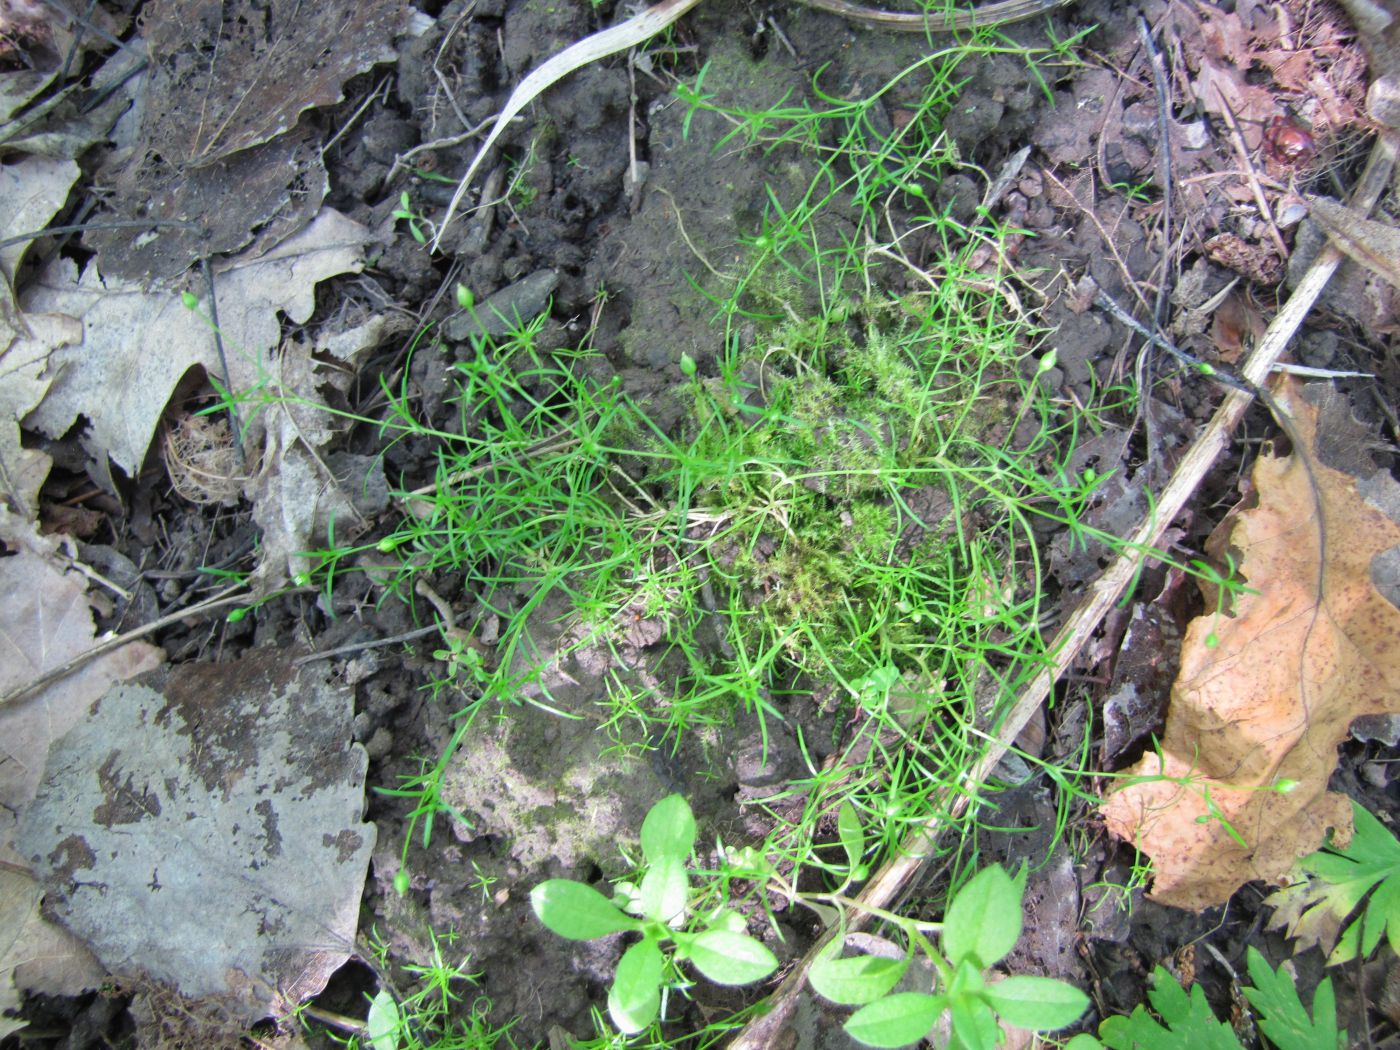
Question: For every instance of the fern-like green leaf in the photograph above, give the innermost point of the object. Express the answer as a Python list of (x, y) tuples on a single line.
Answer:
[(1281, 1014), (1186, 1020), (1334, 882)]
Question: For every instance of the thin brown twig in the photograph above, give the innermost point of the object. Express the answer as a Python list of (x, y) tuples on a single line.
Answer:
[(1129, 281), (355, 117), (358, 647), (1251, 176), (222, 600)]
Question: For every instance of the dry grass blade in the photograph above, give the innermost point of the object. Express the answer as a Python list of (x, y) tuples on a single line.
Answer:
[(600, 45), (894, 875), (937, 21)]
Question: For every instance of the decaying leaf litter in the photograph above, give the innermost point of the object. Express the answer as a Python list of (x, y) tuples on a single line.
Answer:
[(98, 335)]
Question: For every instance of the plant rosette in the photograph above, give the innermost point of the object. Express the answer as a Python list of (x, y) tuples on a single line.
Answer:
[(658, 909)]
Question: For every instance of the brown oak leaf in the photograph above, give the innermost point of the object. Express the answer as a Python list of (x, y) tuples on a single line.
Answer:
[(1267, 690)]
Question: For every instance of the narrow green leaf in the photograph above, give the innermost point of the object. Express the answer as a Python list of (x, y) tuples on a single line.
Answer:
[(383, 1023), (973, 1023), (578, 912), (664, 890), (635, 997), (897, 1020), (1379, 910), (984, 920), (668, 830), (1347, 945), (1041, 1004), (854, 980), (852, 836), (731, 958)]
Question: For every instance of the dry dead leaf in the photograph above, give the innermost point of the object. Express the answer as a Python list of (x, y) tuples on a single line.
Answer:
[(1221, 59), (1311, 647), (219, 141), (32, 190), (1236, 323), (44, 621), (138, 345), (19, 908), (23, 384), (209, 836), (273, 61)]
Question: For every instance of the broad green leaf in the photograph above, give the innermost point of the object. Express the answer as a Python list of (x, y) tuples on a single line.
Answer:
[(974, 1023), (635, 997), (852, 838), (664, 891), (967, 979), (668, 830), (383, 1023), (897, 1020), (731, 958), (1041, 1004), (1281, 1016), (984, 920), (578, 912), (856, 979), (1373, 846), (727, 919), (1324, 1012), (1084, 1041)]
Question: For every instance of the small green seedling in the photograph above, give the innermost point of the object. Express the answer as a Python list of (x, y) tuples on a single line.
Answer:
[(462, 660), (405, 212), (981, 926), (657, 909)]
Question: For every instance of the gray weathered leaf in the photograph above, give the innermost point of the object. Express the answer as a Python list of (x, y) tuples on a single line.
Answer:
[(44, 621), (209, 836), (138, 345)]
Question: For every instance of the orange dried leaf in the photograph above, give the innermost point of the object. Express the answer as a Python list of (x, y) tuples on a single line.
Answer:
[(1313, 646)]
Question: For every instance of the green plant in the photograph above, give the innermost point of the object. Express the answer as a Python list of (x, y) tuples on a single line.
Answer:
[(658, 909), (981, 926), (416, 221), (1134, 191), (1186, 1019), (436, 1016), (838, 500), (1333, 883)]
